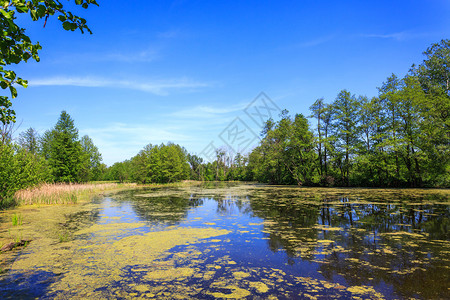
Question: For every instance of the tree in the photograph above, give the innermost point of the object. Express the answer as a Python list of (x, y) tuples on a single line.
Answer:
[(434, 72), (300, 151), (346, 118), (317, 111), (197, 168), (91, 160), (28, 140), (17, 47), (160, 164), (388, 94), (60, 146), (434, 76)]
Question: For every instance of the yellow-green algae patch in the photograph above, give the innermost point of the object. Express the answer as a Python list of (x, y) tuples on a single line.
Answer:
[(365, 290), (240, 275), (259, 286), (87, 266), (169, 274), (109, 228)]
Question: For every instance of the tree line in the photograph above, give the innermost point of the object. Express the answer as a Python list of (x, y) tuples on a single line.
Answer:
[(400, 138), (59, 155)]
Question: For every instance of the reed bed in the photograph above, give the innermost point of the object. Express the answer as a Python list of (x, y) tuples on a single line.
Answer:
[(62, 193)]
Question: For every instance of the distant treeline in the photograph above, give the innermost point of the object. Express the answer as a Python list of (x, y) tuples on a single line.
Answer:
[(399, 139)]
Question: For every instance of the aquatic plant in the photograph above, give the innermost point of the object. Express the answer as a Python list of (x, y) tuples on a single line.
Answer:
[(64, 237), (16, 219)]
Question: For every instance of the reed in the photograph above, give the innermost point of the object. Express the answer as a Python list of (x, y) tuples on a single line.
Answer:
[(16, 219), (62, 193)]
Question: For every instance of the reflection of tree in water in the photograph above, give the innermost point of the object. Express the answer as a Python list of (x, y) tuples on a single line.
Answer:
[(168, 210), (288, 224), (81, 219), (374, 241), (232, 204)]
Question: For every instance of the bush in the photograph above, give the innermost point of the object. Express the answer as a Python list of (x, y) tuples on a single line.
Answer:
[(19, 169)]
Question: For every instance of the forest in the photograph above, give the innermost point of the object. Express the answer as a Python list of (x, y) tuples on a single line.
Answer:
[(400, 138)]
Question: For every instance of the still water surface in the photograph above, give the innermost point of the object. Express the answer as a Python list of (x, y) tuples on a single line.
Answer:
[(236, 241)]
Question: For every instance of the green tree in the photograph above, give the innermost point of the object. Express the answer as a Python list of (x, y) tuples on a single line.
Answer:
[(317, 111), (63, 151), (160, 164), (29, 140), (346, 118), (434, 74), (19, 169), (411, 97), (300, 156), (91, 160), (17, 47), (197, 168)]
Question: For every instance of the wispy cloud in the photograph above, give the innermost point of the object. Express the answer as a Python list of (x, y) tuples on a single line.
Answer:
[(204, 112), (398, 36), (169, 34), (315, 42), (158, 87), (145, 55), (141, 56)]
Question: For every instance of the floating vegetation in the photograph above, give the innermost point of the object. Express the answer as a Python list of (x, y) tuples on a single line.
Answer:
[(16, 219), (235, 242)]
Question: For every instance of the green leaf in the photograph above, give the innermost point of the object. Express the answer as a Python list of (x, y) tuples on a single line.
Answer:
[(22, 9), (66, 25), (13, 91), (8, 15), (69, 26)]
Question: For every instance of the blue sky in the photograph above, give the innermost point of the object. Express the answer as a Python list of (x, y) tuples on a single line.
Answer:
[(183, 71)]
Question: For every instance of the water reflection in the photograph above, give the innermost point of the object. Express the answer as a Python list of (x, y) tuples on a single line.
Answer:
[(388, 239), (398, 241), (258, 241)]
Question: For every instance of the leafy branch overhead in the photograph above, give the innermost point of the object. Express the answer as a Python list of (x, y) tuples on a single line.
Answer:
[(16, 46)]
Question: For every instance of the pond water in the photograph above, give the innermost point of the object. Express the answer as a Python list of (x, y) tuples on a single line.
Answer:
[(236, 241)]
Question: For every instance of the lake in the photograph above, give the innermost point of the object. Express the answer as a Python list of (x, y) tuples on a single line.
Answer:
[(230, 240)]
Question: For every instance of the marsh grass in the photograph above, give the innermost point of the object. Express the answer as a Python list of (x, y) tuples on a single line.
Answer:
[(16, 219), (64, 237), (63, 193)]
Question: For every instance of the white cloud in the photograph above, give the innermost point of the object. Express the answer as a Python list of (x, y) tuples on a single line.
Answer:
[(316, 42), (399, 36), (158, 87), (142, 56), (204, 112)]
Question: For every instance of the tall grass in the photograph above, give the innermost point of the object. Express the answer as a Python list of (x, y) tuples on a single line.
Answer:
[(16, 219), (61, 193)]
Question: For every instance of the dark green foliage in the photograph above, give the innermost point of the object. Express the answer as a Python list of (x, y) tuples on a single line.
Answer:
[(400, 138), (286, 154), (19, 169), (91, 166), (63, 151), (70, 159), (160, 164)]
